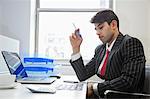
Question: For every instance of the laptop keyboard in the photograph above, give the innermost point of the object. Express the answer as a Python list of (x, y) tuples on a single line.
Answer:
[(74, 86)]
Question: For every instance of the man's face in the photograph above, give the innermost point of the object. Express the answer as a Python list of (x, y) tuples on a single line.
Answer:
[(104, 32)]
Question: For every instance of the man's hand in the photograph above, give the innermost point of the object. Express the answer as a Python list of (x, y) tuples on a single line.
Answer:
[(90, 90), (75, 41)]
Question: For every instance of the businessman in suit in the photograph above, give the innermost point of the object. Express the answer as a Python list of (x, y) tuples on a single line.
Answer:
[(120, 60)]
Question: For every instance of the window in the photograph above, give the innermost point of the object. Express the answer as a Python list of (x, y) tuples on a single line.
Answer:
[(54, 25)]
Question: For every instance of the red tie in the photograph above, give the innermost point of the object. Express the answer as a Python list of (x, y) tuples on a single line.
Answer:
[(103, 69)]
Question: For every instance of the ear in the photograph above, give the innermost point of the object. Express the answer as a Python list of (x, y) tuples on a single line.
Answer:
[(113, 24)]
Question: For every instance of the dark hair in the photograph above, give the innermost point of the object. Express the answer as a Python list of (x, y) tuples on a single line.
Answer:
[(105, 16)]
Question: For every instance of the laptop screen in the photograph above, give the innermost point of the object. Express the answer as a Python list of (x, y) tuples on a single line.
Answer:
[(14, 64)]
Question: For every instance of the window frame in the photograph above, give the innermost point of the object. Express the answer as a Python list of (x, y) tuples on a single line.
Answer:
[(38, 10)]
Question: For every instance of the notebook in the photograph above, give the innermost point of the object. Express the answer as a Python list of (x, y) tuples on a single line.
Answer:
[(16, 67)]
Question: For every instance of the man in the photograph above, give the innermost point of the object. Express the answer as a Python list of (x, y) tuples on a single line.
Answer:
[(120, 60)]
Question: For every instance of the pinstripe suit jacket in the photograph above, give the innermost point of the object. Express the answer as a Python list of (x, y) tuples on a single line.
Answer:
[(125, 69)]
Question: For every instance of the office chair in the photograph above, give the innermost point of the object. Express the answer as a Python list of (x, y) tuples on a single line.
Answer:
[(111, 94)]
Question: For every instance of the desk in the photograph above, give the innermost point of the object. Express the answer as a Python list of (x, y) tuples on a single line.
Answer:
[(21, 92)]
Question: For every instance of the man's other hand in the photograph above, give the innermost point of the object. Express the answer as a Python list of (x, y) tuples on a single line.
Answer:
[(90, 90)]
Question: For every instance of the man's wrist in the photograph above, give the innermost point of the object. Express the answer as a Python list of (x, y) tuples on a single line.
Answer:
[(76, 50)]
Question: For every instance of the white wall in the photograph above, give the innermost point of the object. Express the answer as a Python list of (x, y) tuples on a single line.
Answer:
[(134, 18), (148, 35), (0, 17), (15, 22)]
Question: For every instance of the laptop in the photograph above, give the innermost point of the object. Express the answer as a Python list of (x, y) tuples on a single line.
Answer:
[(16, 67)]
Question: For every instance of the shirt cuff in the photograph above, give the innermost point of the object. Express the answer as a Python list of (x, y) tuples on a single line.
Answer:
[(95, 88), (75, 56)]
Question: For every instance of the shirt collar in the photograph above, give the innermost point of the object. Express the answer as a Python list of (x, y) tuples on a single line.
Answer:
[(111, 45)]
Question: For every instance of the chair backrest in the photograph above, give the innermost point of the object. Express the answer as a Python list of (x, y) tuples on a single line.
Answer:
[(146, 88)]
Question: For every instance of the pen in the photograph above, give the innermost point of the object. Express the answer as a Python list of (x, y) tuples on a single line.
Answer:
[(66, 81), (77, 31), (74, 26)]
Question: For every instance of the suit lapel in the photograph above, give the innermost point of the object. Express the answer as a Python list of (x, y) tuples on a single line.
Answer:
[(116, 45), (114, 49)]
